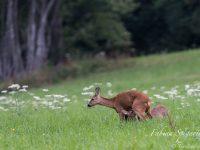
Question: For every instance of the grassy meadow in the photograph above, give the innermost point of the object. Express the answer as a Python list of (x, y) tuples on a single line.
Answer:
[(56, 117)]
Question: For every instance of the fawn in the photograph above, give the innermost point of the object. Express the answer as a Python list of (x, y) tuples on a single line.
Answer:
[(129, 104), (159, 111)]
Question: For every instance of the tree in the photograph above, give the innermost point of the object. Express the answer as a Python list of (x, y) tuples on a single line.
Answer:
[(37, 50), (11, 61), (93, 26)]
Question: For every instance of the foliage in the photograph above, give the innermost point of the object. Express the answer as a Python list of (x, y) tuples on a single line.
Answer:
[(164, 25), (92, 26)]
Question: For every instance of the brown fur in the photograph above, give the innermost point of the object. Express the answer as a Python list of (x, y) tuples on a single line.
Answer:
[(159, 111), (129, 104)]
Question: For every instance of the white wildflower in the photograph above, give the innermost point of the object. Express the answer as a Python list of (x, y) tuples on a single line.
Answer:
[(108, 84), (45, 90), (3, 109), (4, 91), (22, 90), (110, 93), (12, 92), (55, 101), (187, 86), (58, 96), (145, 91), (87, 93), (2, 98), (182, 103), (97, 84), (159, 96), (48, 96), (134, 89), (153, 88), (50, 103), (88, 88), (36, 97), (66, 99), (25, 86), (14, 86)]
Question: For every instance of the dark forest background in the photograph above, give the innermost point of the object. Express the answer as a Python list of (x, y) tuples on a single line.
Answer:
[(36, 33)]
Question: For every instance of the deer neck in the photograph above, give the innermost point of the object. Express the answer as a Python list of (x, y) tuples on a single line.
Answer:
[(107, 102)]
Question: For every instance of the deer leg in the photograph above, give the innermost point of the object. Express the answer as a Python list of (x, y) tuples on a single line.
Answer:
[(148, 113), (139, 110), (121, 116)]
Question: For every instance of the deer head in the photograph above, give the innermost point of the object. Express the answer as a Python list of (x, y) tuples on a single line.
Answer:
[(96, 98)]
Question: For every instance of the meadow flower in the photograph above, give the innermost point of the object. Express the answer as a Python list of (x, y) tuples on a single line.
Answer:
[(3, 109), (153, 88), (145, 91), (4, 91), (25, 86), (66, 99), (180, 96), (55, 101), (159, 96), (13, 129), (187, 86), (22, 90), (110, 93), (87, 93), (97, 84), (48, 96), (2, 98), (108, 84), (14, 86), (172, 93), (58, 96), (45, 90), (36, 97), (12, 92), (182, 103), (193, 92), (88, 88)]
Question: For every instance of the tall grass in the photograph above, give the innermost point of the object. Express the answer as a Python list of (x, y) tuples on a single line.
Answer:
[(73, 126)]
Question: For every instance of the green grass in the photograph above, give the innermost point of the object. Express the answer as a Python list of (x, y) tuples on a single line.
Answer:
[(78, 127)]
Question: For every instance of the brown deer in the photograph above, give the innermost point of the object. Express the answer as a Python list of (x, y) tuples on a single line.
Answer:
[(159, 111), (127, 104)]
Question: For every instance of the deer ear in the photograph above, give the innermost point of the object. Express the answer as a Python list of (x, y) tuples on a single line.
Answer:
[(97, 91)]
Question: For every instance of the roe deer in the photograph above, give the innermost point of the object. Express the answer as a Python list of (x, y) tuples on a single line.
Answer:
[(159, 111), (127, 104)]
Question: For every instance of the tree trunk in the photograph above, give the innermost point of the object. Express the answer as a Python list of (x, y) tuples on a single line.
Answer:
[(11, 60), (42, 50), (55, 42), (31, 37)]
